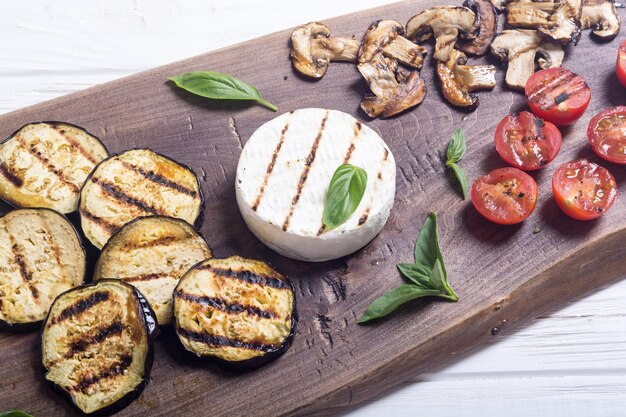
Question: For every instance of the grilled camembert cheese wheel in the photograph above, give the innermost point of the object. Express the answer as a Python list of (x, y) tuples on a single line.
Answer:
[(238, 310), (152, 253), (45, 165), (97, 344), (283, 176), (40, 257), (133, 184)]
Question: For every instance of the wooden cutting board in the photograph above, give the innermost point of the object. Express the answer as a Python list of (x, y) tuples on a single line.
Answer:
[(503, 275)]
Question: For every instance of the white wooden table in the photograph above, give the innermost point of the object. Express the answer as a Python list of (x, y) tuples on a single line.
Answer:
[(569, 363)]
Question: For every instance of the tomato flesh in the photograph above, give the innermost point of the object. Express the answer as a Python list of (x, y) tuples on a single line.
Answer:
[(558, 95), (583, 190), (505, 195), (526, 142), (607, 134), (620, 65)]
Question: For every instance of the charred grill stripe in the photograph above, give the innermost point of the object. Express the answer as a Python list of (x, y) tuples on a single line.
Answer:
[(110, 227), (363, 218), (305, 172), (222, 305), (123, 197), (215, 340), (162, 241), (81, 306), (9, 175), (75, 144), (544, 91), (159, 179), (53, 246), (386, 154), (147, 277), (47, 164), (321, 229), (24, 271), (114, 370), (85, 341), (356, 129), (248, 276), (270, 167)]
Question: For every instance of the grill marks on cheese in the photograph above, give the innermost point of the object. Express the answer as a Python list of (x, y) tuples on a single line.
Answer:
[(233, 308), (94, 344), (40, 257), (152, 253), (46, 164), (134, 184)]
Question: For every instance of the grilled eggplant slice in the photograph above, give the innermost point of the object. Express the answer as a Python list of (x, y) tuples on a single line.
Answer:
[(40, 257), (134, 184), (152, 253), (97, 345), (45, 165), (238, 311)]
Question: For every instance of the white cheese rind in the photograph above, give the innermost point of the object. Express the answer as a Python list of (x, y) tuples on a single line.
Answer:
[(281, 196)]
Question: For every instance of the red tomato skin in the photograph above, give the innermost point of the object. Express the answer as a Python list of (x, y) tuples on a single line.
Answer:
[(593, 136), (500, 173), (620, 65), (550, 132), (571, 210), (559, 117)]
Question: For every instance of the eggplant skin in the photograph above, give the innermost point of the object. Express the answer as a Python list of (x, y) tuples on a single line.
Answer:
[(152, 253), (136, 183), (236, 312), (89, 296), (30, 238), (44, 164)]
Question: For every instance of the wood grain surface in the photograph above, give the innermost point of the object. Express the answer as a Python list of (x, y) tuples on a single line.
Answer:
[(500, 273)]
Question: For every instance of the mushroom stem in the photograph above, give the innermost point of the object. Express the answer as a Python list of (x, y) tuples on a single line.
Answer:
[(477, 77)]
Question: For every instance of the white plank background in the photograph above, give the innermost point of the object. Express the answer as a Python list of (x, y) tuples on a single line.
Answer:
[(569, 363)]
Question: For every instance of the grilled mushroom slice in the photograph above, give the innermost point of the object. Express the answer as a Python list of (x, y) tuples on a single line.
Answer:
[(564, 24), (601, 17), (238, 311), (152, 253), (394, 88), (459, 81), (41, 256), (485, 27), (97, 345), (45, 164), (133, 184), (530, 14), (525, 50), (446, 24), (499, 5)]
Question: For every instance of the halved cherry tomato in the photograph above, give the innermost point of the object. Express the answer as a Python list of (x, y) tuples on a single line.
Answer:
[(505, 195), (558, 95), (527, 142), (620, 65), (607, 134), (583, 190)]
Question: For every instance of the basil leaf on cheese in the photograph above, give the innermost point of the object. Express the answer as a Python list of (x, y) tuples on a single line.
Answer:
[(345, 192)]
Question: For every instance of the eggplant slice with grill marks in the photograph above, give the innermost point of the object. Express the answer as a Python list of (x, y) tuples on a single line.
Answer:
[(152, 253), (97, 345), (240, 312), (134, 184), (40, 257), (45, 165)]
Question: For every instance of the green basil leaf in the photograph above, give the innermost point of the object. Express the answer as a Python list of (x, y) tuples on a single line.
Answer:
[(418, 274), (345, 192), (437, 276), (393, 299), (15, 413), (461, 177), (456, 147), (219, 86), (427, 250)]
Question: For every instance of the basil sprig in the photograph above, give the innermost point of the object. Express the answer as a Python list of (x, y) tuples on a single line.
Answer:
[(345, 192), (456, 152), (15, 413), (219, 86), (426, 277)]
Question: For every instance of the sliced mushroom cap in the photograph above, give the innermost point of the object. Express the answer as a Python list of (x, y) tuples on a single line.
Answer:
[(525, 50), (394, 88), (564, 24), (601, 16), (312, 49), (387, 36), (458, 80), (530, 14), (484, 27), (445, 23)]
